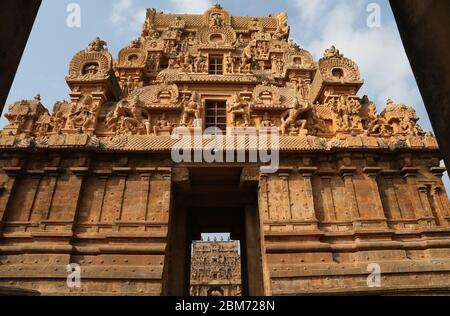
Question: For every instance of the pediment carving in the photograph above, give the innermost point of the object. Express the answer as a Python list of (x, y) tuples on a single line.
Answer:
[(93, 63)]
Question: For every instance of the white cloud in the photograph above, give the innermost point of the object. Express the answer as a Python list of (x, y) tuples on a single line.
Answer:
[(379, 52), (190, 6), (126, 17)]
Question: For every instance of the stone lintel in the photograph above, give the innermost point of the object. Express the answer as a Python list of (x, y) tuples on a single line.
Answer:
[(409, 171), (53, 171), (347, 171), (122, 171), (326, 173), (438, 171), (372, 171), (285, 170), (13, 171), (389, 173), (79, 171), (102, 173), (307, 171), (146, 173)]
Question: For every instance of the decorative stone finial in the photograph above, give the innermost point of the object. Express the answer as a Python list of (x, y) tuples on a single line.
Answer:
[(332, 53), (97, 45)]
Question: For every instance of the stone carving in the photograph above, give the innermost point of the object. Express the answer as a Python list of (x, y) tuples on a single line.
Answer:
[(277, 66), (334, 66), (95, 180), (91, 64), (246, 60), (129, 118), (347, 113), (200, 64), (129, 85), (22, 117), (282, 26), (165, 93), (83, 114), (240, 111), (173, 51), (215, 262), (266, 95), (163, 126), (266, 121), (375, 124), (290, 123), (192, 110), (132, 56), (402, 118)]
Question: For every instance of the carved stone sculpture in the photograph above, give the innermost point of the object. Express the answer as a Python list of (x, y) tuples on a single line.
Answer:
[(239, 109), (290, 123), (192, 110)]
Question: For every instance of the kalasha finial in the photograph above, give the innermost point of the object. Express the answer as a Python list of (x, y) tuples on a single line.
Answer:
[(333, 53), (97, 45), (389, 102)]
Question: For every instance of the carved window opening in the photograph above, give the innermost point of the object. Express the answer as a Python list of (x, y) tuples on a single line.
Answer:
[(216, 115), (338, 73), (298, 61), (132, 58), (90, 68), (216, 65)]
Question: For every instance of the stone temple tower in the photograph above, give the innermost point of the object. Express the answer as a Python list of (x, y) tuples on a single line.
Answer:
[(353, 200)]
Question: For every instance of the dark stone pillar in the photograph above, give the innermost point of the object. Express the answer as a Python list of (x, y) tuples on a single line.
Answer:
[(16, 20), (425, 30)]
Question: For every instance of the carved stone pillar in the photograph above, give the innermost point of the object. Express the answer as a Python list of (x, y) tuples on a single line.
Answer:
[(423, 216), (53, 173), (36, 176), (255, 257), (310, 212), (347, 174), (441, 201), (122, 173), (103, 175), (329, 207), (79, 174), (286, 207), (372, 174), (264, 198), (146, 176), (440, 197), (8, 191), (424, 191)]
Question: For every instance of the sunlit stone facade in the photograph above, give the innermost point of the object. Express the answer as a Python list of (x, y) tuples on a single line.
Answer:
[(93, 182)]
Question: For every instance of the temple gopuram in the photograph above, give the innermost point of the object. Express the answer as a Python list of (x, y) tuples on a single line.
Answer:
[(215, 268), (356, 204)]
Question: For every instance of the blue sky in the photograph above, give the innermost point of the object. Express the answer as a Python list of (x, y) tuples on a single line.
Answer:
[(315, 25)]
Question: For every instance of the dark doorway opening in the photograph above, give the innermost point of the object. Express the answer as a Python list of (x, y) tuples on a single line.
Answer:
[(214, 201)]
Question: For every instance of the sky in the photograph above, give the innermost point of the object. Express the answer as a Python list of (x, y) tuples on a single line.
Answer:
[(315, 26)]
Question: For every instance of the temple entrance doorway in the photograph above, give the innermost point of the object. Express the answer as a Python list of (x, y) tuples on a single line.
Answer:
[(214, 201)]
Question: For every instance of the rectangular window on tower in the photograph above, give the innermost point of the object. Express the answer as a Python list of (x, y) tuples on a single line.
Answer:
[(216, 64), (216, 115)]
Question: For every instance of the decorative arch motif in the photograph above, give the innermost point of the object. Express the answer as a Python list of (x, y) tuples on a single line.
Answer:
[(133, 56), (265, 93), (90, 64), (299, 58), (335, 67)]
